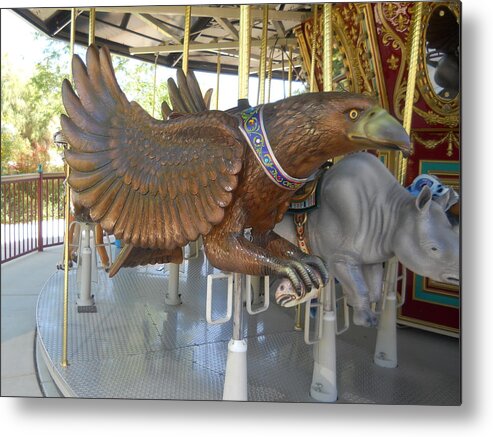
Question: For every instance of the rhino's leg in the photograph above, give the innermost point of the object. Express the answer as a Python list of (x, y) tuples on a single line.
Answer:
[(351, 278), (373, 274)]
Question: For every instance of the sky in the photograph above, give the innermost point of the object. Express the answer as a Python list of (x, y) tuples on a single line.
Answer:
[(18, 42), (24, 51)]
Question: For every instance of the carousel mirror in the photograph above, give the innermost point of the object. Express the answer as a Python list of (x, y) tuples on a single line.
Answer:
[(442, 52)]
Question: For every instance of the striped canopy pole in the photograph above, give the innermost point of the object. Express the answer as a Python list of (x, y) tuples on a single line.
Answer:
[(218, 77), (411, 83), (263, 54), (313, 87), (244, 61), (327, 67), (92, 25), (186, 38)]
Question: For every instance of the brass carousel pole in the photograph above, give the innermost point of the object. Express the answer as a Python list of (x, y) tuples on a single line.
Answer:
[(263, 54), (244, 43), (290, 72), (186, 38), (314, 48), (327, 67), (282, 73), (92, 25), (218, 76), (269, 73), (154, 85), (64, 362), (411, 83)]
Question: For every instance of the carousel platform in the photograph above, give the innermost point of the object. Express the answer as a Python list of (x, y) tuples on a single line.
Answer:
[(136, 346)]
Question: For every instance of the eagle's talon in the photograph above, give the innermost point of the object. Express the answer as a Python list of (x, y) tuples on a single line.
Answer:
[(315, 276), (307, 276), (292, 275), (302, 278), (319, 265)]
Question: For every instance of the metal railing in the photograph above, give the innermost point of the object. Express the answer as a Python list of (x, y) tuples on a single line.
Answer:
[(32, 213)]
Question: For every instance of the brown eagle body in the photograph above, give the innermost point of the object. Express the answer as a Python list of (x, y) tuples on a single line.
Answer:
[(158, 185)]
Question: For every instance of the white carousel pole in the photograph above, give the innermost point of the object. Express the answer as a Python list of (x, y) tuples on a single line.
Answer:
[(172, 296), (236, 375), (85, 300), (386, 344), (324, 378)]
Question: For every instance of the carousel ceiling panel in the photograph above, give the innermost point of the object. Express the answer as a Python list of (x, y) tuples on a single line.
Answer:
[(141, 32)]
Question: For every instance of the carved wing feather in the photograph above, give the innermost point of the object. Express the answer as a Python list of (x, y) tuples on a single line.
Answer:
[(186, 96), (154, 184)]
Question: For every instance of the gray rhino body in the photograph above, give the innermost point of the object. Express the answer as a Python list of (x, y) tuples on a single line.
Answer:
[(365, 218)]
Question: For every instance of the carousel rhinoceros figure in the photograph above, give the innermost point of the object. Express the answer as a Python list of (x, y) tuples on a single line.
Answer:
[(365, 218)]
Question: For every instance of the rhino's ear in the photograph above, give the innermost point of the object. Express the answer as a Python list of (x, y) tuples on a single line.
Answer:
[(443, 200), (423, 201)]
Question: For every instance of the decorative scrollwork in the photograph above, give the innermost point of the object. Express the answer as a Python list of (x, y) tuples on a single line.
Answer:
[(352, 29), (434, 118), (450, 138), (393, 20)]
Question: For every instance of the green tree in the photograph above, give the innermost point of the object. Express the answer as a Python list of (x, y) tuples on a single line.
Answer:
[(142, 90), (30, 109)]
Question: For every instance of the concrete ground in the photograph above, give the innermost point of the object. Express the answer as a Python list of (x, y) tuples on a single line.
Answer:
[(22, 281)]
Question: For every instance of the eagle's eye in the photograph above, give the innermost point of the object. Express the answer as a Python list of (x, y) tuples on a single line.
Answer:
[(353, 114)]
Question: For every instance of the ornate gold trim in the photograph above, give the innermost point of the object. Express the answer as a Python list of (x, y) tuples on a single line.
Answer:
[(454, 290), (397, 15), (375, 51), (433, 118), (355, 37), (349, 59), (451, 138)]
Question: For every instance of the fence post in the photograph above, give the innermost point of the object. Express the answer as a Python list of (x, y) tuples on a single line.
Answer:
[(40, 208)]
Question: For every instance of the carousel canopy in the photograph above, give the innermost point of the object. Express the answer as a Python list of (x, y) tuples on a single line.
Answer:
[(145, 32)]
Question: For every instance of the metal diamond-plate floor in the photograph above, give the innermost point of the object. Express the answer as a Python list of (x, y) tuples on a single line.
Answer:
[(135, 346)]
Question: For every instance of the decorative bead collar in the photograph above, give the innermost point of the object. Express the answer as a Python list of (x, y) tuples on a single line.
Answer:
[(252, 127)]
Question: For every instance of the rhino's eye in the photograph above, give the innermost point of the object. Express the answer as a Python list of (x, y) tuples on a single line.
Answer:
[(434, 249)]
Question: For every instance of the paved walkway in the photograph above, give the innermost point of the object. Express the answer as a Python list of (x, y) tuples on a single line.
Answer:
[(22, 281)]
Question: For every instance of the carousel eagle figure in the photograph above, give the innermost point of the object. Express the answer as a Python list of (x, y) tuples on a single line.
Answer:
[(159, 184)]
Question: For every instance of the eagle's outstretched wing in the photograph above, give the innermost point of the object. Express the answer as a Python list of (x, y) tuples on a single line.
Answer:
[(154, 184), (186, 97)]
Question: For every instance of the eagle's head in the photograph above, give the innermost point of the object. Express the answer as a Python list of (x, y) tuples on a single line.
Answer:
[(308, 129), (360, 122)]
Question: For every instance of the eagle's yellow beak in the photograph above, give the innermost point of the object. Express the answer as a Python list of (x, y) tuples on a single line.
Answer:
[(376, 128)]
